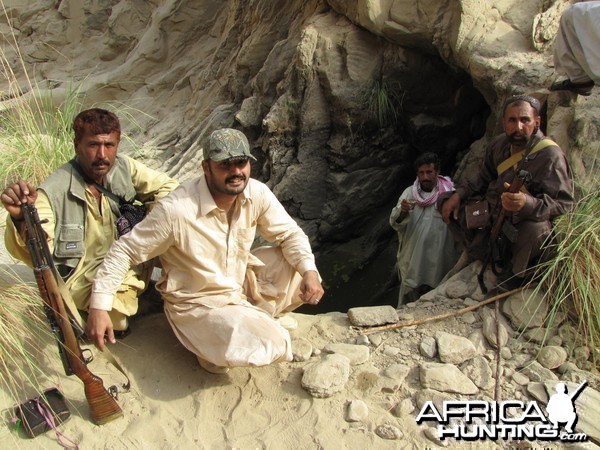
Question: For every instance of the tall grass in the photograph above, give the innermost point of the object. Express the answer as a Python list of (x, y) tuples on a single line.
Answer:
[(36, 137), (22, 328), (570, 281), (35, 134), (29, 150)]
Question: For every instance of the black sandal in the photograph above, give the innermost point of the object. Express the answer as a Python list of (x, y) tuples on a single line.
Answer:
[(584, 89), (122, 334)]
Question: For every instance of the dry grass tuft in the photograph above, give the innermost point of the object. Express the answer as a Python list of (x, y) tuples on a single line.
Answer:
[(22, 327)]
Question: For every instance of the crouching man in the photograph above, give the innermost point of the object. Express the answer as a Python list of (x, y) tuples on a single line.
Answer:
[(79, 218), (221, 299), (546, 194)]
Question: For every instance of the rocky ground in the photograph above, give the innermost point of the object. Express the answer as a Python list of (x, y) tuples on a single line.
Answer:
[(455, 358)]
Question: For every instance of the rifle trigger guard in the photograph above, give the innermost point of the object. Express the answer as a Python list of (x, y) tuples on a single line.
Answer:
[(90, 356)]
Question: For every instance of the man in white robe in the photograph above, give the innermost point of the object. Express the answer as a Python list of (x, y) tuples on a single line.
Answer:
[(426, 249), (577, 48)]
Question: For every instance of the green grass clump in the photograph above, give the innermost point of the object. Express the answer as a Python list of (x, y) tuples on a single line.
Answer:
[(570, 281), (384, 99)]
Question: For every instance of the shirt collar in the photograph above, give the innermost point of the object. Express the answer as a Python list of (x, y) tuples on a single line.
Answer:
[(207, 203)]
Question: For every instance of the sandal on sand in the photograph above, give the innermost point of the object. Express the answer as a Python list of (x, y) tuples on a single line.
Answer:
[(212, 368), (584, 89), (122, 334)]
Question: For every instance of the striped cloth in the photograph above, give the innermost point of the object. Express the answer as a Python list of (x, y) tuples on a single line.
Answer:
[(444, 184)]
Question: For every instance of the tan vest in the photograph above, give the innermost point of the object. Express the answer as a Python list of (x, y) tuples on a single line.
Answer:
[(65, 189)]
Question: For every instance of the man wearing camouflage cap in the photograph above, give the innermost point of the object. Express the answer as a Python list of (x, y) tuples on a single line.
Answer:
[(221, 299)]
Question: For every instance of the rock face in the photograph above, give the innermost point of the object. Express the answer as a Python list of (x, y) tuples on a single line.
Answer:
[(336, 97)]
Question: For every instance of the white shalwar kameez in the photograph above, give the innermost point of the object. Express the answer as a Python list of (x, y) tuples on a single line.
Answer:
[(221, 299), (577, 44), (426, 249)]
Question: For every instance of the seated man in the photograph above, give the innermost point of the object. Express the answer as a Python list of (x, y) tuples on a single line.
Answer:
[(426, 248), (220, 299), (80, 219), (547, 194)]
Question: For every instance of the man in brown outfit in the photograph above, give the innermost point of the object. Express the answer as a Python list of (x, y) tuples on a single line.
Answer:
[(547, 194)]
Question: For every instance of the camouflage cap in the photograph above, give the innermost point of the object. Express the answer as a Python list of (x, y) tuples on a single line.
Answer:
[(227, 143)]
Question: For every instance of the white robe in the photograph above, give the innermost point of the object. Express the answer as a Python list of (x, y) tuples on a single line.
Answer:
[(426, 248), (577, 44), (221, 299)]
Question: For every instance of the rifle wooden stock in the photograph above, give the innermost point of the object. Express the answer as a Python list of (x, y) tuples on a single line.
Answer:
[(103, 406)]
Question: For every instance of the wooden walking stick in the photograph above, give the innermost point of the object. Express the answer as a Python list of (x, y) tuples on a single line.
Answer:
[(442, 316)]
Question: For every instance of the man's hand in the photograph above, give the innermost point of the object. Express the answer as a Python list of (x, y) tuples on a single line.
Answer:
[(451, 207), (407, 205), (311, 290), (513, 202), (15, 195), (99, 325)]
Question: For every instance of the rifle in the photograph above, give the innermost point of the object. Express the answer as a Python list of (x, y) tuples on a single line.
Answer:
[(580, 388), (103, 405), (501, 227)]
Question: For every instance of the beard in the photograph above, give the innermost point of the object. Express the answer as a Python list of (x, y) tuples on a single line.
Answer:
[(234, 185), (517, 139), (231, 186), (520, 140), (427, 186)]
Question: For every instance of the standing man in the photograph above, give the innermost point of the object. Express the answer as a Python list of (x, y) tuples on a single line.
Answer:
[(547, 194), (221, 299), (80, 220), (426, 249)]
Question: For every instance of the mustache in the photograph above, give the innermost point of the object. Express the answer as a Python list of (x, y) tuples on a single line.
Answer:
[(234, 178), (427, 185), (101, 162), (518, 137)]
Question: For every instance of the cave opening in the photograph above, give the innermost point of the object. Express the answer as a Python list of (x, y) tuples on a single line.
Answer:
[(438, 110)]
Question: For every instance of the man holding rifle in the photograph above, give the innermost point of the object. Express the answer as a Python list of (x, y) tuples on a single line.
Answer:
[(80, 218), (547, 192)]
